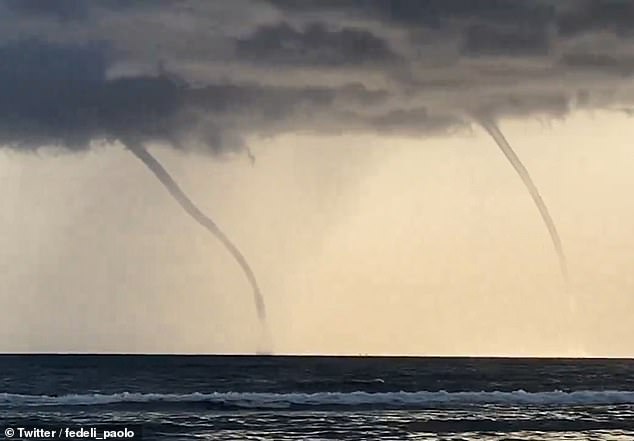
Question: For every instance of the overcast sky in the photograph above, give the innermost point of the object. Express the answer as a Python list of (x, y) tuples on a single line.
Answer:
[(378, 216)]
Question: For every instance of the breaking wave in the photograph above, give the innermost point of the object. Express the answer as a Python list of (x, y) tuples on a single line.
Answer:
[(252, 400)]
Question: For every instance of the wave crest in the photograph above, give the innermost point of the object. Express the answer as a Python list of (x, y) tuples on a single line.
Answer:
[(255, 400)]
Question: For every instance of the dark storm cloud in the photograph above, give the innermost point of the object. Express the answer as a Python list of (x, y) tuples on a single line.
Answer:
[(600, 63), (569, 16), (314, 44), (598, 15), (78, 9), (487, 27), (61, 95), (432, 13), (517, 42), (414, 121), (61, 9), (554, 105), (265, 67)]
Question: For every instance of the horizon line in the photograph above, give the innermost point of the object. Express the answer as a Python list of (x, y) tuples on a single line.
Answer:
[(318, 355)]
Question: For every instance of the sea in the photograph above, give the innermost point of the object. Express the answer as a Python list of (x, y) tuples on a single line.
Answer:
[(166, 397)]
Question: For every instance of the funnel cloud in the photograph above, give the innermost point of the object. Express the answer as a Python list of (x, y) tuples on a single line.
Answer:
[(492, 128), (190, 208)]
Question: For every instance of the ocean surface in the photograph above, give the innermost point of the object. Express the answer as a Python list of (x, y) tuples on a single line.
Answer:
[(323, 398)]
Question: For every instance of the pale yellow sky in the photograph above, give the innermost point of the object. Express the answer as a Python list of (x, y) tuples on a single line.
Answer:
[(361, 244)]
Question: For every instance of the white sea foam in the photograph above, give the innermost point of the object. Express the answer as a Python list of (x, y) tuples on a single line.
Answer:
[(352, 399)]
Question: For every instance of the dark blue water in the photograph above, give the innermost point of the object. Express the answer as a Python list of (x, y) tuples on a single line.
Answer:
[(302, 398)]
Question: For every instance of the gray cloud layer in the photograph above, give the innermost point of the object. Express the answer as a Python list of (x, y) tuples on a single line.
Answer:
[(72, 71)]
